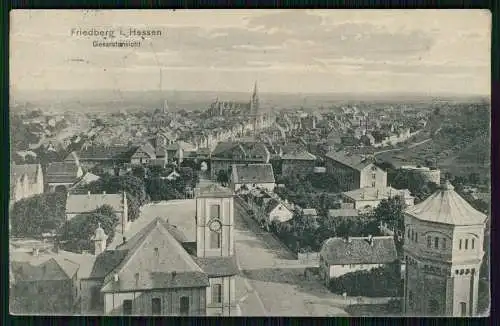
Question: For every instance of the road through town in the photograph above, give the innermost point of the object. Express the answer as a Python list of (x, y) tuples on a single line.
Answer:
[(271, 282)]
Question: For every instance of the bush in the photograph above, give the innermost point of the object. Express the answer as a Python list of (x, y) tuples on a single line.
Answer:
[(38, 214)]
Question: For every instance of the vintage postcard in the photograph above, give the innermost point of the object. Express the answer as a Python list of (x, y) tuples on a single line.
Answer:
[(250, 162)]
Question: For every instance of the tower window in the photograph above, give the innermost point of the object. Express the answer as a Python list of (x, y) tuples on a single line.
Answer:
[(214, 211), (444, 243), (463, 308), (429, 241), (416, 236), (215, 240), (409, 233), (216, 293), (436, 243), (472, 244), (466, 244), (460, 244), (156, 252)]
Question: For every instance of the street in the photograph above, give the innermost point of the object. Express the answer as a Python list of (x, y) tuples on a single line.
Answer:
[(271, 282)]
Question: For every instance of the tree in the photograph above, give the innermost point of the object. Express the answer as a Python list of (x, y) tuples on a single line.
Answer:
[(38, 214), (474, 178), (78, 231), (391, 211), (139, 172)]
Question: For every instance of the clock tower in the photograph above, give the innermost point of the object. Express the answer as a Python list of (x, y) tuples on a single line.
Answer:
[(215, 247)]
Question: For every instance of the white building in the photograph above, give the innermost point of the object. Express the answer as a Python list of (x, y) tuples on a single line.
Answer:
[(252, 176), (339, 256), (370, 198)]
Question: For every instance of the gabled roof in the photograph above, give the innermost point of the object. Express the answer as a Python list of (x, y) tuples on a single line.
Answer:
[(48, 270), (447, 207), (85, 203), (146, 148), (357, 250), (252, 173), (299, 155), (250, 150), (213, 190), (168, 266), (271, 205), (352, 160), (106, 153)]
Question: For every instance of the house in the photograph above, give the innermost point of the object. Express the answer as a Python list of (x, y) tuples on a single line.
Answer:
[(46, 282), (85, 180), (339, 256), (299, 163), (275, 210), (143, 154), (369, 198), (26, 180), (107, 157), (164, 269), (354, 171), (63, 175), (77, 204), (179, 150), (226, 154), (252, 176)]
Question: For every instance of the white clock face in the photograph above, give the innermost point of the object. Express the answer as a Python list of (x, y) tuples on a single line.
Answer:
[(215, 225)]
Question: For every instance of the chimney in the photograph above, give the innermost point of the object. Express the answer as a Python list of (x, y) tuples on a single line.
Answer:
[(124, 240), (115, 277), (104, 192), (35, 252)]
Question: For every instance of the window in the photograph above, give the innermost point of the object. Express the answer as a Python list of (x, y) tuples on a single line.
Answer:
[(156, 252), (460, 244), (436, 243), (214, 211), (136, 278), (429, 241), (95, 297), (217, 293), (184, 305), (416, 237), (408, 233), (444, 243), (127, 307), (373, 184), (463, 308), (374, 175), (215, 240), (466, 244), (156, 306), (472, 244)]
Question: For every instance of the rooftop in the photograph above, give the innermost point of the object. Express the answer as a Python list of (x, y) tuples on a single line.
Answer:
[(376, 193), (84, 203), (447, 207), (252, 173), (358, 250), (352, 160)]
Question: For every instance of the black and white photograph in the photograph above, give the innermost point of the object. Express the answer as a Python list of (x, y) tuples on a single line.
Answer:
[(321, 163)]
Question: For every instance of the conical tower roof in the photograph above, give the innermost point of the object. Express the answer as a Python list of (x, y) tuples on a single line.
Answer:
[(447, 207)]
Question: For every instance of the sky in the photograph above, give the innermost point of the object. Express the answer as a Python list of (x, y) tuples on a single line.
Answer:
[(292, 51)]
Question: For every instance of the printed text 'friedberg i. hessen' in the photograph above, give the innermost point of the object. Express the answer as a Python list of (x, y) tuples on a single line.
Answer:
[(117, 37)]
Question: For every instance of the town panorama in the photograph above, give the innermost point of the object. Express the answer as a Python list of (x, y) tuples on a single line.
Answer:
[(250, 163)]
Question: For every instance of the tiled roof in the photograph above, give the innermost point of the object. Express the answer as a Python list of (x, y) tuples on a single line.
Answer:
[(343, 212), (86, 179), (447, 207), (62, 168), (213, 190), (299, 155), (251, 150), (218, 266), (106, 262), (352, 160), (271, 205), (84, 203), (252, 173), (146, 148), (376, 193), (106, 153), (338, 251), (169, 266)]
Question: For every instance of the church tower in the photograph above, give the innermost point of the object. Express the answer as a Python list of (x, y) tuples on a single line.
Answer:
[(215, 247), (254, 107), (443, 250)]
